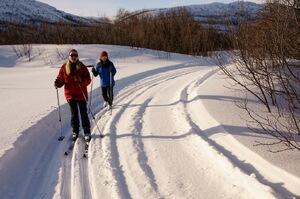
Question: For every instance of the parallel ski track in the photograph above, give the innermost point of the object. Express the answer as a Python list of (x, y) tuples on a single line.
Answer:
[(111, 154), (107, 165), (74, 163), (113, 157)]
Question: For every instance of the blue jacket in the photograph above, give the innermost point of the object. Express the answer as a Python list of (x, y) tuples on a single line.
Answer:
[(104, 72)]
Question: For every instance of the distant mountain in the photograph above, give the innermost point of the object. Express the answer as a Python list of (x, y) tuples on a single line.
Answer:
[(234, 9), (31, 11), (218, 14)]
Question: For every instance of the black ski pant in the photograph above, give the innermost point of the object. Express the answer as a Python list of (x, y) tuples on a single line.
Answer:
[(81, 104), (108, 95)]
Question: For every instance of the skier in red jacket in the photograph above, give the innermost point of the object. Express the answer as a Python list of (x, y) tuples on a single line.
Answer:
[(75, 78)]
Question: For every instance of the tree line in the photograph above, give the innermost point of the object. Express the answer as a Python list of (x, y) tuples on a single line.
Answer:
[(173, 31)]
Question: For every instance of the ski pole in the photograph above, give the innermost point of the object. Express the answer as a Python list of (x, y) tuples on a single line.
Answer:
[(91, 93), (110, 90), (59, 117), (90, 111)]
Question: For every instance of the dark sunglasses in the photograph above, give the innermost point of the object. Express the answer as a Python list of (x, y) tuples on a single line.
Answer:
[(73, 55)]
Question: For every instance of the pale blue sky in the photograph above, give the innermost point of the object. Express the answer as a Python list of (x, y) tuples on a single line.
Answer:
[(110, 7)]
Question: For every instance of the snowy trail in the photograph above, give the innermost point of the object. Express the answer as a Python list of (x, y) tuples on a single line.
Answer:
[(160, 141), (34, 166), (65, 186), (80, 186), (113, 171), (182, 181), (140, 170)]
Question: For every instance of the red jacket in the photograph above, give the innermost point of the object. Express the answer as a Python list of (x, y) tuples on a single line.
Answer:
[(75, 80)]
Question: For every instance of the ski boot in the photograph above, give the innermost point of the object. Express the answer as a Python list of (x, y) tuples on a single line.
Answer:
[(110, 107), (104, 104), (87, 137), (74, 136)]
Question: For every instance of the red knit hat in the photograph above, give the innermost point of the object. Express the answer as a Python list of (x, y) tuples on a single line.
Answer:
[(103, 54), (73, 51)]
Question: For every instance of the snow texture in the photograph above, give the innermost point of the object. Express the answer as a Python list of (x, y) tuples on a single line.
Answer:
[(165, 137)]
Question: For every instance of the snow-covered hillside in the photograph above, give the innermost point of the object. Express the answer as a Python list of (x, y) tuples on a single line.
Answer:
[(174, 132), (235, 9), (28, 11), (219, 13), (31, 11)]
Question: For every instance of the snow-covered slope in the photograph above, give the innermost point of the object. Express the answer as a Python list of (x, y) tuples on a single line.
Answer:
[(31, 11), (215, 10), (219, 14), (161, 139), (237, 9)]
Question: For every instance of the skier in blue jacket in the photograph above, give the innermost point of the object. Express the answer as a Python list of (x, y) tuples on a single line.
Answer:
[(106, 70)]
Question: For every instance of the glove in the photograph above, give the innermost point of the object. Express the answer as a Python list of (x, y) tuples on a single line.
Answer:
[(95, 73), (58, 83)]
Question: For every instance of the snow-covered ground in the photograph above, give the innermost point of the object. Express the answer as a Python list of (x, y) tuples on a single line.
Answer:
[(174, 133)]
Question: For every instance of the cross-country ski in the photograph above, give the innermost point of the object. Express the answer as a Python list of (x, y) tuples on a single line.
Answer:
[(70, 148)]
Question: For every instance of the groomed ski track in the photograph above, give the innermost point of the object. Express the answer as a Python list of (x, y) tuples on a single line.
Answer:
[(154, 147)]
